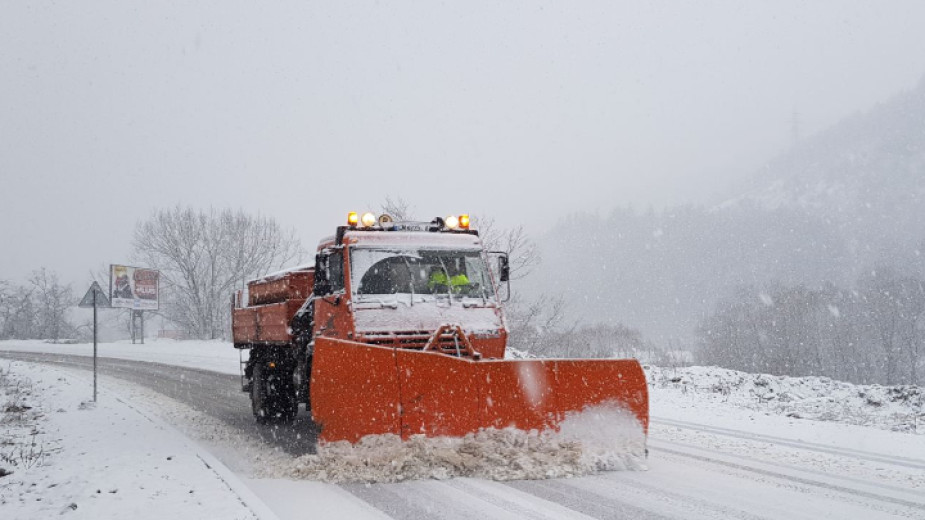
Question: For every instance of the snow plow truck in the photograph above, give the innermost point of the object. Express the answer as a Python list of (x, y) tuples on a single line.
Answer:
[(397, 328)]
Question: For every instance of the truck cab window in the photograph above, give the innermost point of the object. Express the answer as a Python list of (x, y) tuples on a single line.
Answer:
[(419, 272), (336, 270)]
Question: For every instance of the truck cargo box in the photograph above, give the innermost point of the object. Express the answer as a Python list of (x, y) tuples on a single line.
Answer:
[(279, 288), (264, 324), (272, 302), (244, 325)]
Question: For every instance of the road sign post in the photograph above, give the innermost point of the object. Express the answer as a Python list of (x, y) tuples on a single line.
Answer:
[(95, 298), (94, 346)]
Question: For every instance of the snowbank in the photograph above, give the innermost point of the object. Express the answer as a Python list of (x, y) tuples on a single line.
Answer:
[(217, 356), (896, 408)]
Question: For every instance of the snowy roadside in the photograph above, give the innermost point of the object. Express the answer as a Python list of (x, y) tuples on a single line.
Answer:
[(70, 456), (893, 408)]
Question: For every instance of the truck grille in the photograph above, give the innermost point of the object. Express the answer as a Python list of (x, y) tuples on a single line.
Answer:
[(448, 342)]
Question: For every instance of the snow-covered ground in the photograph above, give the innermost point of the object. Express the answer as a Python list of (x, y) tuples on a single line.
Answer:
[(781, 438), (690, 391), (66, 454)]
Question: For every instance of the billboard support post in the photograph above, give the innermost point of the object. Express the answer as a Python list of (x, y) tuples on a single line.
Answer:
[(138, 326)]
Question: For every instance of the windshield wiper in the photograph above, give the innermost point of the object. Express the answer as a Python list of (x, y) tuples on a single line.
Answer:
[(446, 273), (410, 278), (382, 303), (476, 304)]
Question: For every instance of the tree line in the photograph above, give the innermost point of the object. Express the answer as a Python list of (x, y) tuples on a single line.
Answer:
[(873, 332), (37, 309), (205, 255)]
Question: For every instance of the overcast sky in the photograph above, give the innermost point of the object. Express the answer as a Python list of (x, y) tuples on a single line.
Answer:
[(306, 110)]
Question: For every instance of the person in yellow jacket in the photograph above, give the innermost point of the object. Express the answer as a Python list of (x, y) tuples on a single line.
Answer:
[(439, 282)]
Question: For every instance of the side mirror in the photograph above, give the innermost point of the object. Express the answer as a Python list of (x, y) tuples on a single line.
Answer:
[(322, 284), (504, 273)]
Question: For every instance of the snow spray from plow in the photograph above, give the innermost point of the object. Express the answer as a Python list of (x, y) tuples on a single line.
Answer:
[(359, 389), (599, 438)]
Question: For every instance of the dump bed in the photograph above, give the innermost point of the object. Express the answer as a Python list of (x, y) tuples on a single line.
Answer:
[(272, 302), (292, 285)]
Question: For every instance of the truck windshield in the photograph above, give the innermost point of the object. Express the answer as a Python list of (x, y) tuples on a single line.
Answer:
[(422, 273)]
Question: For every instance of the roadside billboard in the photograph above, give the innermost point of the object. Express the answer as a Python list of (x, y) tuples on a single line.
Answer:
[(133, 287)]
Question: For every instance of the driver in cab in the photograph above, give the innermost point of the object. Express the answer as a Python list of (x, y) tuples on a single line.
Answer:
[(439, 282)]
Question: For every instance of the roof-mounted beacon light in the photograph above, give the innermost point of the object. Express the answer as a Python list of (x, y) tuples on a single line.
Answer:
[(464, 221), (451, 222), (368, 219), (386, 221), (352, 219)]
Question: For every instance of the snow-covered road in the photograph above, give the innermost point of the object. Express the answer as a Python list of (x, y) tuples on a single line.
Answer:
[(740, 467)]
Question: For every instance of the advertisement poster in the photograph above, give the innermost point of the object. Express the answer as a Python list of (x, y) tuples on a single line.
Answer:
[(133, 287)]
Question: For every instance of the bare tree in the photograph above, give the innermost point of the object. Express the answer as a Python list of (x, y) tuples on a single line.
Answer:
[(873, 334), (9, 305), (533, 324), (17, 311), (521, 249), (398, 208), (52, 301), (203, 256)]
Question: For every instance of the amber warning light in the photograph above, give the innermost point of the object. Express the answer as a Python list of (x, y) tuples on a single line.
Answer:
[(369, 221)]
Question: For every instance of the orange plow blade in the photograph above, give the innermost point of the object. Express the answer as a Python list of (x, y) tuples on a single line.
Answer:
[(359, 389)]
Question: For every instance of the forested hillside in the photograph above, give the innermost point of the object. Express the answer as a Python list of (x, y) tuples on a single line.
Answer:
[(831, 215)]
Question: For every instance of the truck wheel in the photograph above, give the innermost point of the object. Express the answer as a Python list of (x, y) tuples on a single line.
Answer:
[(259, 399), (288, 400), (307, 386)]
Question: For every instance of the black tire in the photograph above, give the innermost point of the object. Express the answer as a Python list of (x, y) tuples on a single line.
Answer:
[(260, 402), (273, 395), (287, 400)]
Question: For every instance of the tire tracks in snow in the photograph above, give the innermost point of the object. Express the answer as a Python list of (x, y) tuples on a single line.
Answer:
[(788, 474), (803, 445)]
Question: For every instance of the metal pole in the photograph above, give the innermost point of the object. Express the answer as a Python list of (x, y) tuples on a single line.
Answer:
[(141, 314), (94, 346)]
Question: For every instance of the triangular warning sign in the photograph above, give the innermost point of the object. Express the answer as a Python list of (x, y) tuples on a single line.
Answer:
[(101, 299)]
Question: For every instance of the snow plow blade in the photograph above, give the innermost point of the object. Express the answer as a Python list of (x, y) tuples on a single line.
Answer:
[(359, 389)]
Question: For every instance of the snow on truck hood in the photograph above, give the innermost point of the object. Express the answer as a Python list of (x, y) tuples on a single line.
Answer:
[(425, 316)]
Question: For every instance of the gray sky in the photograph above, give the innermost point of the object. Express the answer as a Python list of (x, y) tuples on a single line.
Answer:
[(305, 110)]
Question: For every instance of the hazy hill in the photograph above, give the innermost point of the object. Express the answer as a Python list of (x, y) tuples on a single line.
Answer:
[(847, 199), (866, 174)]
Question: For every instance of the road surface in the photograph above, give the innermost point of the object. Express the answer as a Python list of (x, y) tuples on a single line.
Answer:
[(720, 473)]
